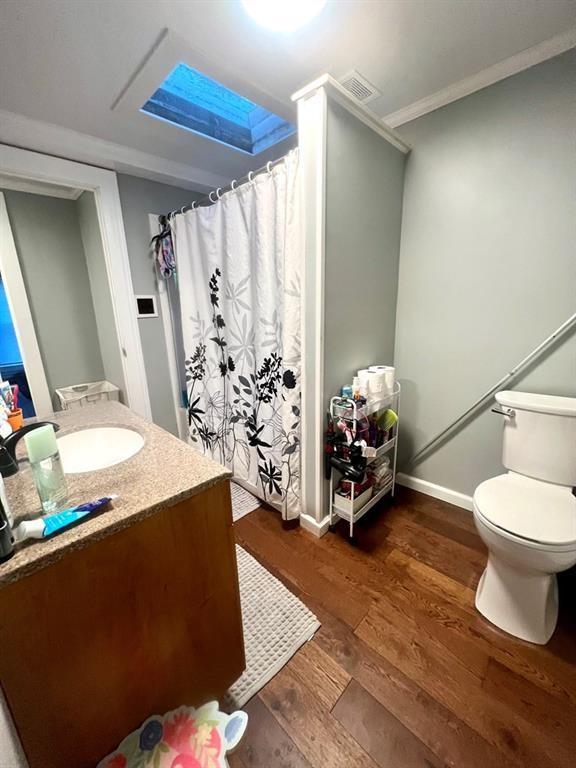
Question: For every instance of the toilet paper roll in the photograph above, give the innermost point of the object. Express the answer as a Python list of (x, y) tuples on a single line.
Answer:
[(372, 385), (364, 378), (378, 382), (388, 374)]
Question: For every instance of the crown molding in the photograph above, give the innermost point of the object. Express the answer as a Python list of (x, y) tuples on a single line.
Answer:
[(527, 58), (35, 135), (335, 91)]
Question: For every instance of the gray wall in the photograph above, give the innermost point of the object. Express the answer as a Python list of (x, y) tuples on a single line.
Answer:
[(49, 245), (488, 261), (101, 297), (364, 181), (140, 197)]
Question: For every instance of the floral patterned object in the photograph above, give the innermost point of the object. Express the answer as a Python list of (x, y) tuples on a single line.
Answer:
[(183, 738), (240, 263)]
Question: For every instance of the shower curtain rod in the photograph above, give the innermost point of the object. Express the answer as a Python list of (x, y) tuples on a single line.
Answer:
[(207, 200)]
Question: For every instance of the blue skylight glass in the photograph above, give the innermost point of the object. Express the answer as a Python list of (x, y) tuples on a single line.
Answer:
[(191, 100)]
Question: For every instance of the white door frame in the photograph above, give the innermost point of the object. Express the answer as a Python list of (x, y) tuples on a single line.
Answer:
[(25, 164), (22, 316)]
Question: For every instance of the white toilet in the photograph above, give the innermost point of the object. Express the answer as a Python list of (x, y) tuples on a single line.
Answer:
[(527, 517)]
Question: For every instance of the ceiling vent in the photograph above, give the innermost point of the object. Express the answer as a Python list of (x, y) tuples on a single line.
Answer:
[(359, 87)]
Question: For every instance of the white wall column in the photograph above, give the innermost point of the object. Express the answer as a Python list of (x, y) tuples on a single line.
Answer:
[(312, 110)]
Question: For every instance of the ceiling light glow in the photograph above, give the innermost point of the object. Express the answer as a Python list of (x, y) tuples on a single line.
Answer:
[(283, 15)]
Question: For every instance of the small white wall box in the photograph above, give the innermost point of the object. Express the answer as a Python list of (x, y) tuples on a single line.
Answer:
[(146, 306)]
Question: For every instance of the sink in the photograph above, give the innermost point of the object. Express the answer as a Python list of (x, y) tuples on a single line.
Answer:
[(97, 448)]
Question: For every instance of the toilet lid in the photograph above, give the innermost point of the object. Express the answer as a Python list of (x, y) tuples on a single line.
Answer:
[(530, 509)]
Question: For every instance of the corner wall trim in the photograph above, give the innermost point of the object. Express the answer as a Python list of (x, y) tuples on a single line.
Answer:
[(437, 491), (313, 526), (312, 140), (525, 59), (338, 93)]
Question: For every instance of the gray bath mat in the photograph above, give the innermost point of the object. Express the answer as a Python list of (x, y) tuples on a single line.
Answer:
[(243, 501), (276, 624)]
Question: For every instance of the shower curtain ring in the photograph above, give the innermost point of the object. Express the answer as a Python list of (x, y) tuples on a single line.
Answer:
[(218, 195), (210, 196), (251, 176), (269, 166), (182, 209), (193, 206), (232, 183)]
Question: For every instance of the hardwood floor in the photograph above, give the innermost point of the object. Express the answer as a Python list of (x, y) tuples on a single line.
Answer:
[(404, 673)]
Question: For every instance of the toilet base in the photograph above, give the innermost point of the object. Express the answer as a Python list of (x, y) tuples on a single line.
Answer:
[(522, 603)]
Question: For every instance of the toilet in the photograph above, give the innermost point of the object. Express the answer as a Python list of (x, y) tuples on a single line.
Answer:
[(527, 517)]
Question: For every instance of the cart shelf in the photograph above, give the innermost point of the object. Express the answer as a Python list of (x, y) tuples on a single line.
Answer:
[(344, 408), (382, 449), (348, 514), (351, 411)]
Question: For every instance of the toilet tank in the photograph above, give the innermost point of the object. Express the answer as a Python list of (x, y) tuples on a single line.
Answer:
[(540, 438)]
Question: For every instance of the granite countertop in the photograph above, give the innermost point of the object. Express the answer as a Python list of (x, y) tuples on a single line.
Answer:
[(164, 472)]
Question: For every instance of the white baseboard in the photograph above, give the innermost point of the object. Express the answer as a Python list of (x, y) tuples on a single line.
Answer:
[(437, 491), (312, 525)]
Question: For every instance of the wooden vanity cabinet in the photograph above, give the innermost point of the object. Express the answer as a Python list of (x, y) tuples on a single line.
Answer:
[(133, 624)]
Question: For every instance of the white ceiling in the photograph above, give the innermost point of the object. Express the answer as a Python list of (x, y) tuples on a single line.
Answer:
[(66, 61)]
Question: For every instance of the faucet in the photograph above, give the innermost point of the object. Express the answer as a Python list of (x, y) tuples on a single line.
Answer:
[(8, 462)]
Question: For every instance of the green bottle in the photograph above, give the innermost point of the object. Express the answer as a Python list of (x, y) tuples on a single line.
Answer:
[(46, 468)]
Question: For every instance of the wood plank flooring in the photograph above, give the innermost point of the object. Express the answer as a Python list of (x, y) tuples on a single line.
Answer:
[(404, 673)]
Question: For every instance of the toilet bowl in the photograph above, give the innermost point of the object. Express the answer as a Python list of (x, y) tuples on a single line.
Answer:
[(527, 517), (529, 528)]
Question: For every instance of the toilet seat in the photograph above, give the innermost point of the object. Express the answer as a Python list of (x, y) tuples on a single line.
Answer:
[(530, 511)]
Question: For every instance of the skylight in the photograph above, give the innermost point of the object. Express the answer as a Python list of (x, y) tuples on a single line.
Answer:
[(194, 101)]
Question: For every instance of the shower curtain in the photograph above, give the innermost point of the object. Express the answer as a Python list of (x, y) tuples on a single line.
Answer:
[(239, 267)]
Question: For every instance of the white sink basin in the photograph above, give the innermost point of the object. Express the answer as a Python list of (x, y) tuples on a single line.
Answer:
[(97, 448)]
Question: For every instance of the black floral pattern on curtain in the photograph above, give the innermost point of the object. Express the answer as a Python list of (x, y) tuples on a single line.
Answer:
[(239, 275), (232, 419)]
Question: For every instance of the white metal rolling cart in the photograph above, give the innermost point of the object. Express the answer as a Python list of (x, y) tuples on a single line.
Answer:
[(350, 411)]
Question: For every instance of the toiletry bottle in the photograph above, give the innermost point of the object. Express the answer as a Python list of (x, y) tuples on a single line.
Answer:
[(46, 468), (6, 545), (4, 502), (356, 395)]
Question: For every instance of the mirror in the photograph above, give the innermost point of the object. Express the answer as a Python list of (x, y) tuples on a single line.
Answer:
[(56, 312)]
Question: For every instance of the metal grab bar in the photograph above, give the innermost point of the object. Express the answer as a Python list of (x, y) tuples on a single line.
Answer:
[(560, 331)]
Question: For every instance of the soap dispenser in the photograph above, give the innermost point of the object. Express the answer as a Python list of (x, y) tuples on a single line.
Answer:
[(47, 468)]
